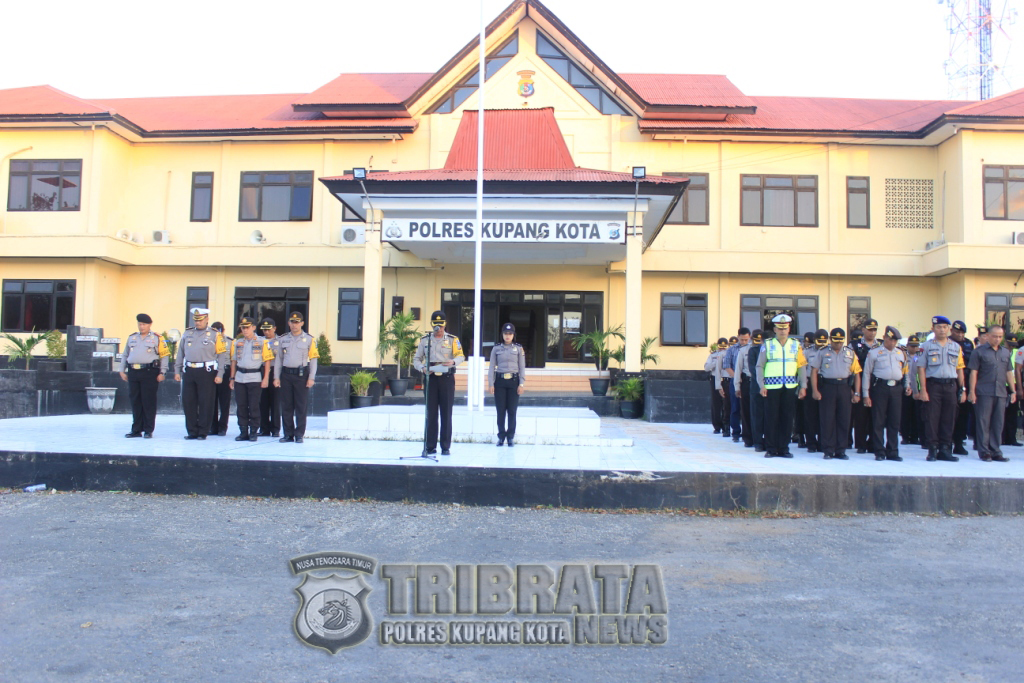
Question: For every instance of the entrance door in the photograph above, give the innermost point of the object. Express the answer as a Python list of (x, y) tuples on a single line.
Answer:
[(530, 330)]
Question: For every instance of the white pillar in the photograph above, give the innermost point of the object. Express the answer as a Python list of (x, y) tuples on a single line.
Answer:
[(371, 289), (634, 292)]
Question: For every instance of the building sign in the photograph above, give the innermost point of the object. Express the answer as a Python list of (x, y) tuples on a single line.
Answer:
[(562, 230), (526, 88)]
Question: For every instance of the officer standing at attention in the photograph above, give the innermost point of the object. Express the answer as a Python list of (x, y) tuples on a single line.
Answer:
[(507, 378), (222, 395), (270, 407), (780, 372), (910, 419), (958, 333), (143, 365), (941, 372), (250, 368), (711, 367), (1010, 418), (295, 357), (887, 382), (835, 367), (203, 358), (861, 413), (812, 414), (724, 380), (992, 381), (799, 424), (733, 391), (439, 372), (742, 381), (756, 399)]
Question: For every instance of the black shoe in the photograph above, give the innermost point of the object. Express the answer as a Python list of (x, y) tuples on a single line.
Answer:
[(841, 456), (298, 439), (501, 441), (879, 456), (431, 451), (511, 443), (947, 456), (985, 458), (958, 448), (1015, 443), (812, 449), (445, 451), (192, 438), (931, 455), (252, 437), (148, 435), (1000, 458), (726, 434), (133, 435), (758, 448), (222, 432), (861, 451), (827, 456), (275, 434), (894, 458), (263, 433), (242, 437), (735, 439), (787, 454), (717, 431), (286, 439), (770, 454)]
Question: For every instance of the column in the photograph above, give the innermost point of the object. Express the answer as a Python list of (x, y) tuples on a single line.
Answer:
[(634, 292), (372, 262)]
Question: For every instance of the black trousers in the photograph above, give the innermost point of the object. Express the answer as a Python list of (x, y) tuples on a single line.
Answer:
[(221, 407), (247, 406), (142, 388), (726, 407), (294, 400), (756, 415), (1010, 424), (812, 422), (745, 416), (270, 408), (909, 420), (506, 400), (886, 410), (861, 426), (440, 399), (716, 405), (779, 410), (942, 400), (989, 414), (197, 392), (798, 419), (834, 412), (735, 411), (963, 416)]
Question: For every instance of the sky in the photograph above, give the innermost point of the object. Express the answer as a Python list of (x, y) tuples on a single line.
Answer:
[(891, 49)]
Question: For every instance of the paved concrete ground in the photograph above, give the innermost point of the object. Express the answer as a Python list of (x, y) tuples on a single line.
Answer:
[(660, 447), (126, 587)]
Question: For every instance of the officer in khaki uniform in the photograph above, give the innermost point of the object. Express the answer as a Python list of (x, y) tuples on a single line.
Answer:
[(941, 373), (439, 373), (295, 357), (713, 366), (861, 413), (835, 368), (812, 417), (221, 394), (203, 358), (250, 370), (270, 406), (143, 365), (884, 385), (506, 376)]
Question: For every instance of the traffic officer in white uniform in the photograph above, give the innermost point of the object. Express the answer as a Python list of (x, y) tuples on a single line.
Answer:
[(144, 365), (780, 372)]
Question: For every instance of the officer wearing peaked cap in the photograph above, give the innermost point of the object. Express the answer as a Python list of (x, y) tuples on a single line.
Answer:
[(712, 366), (941, 374), (861, 413), (812, 412), (887, 381), (270, 406), (222, 393), (506, 376), (436, 357), (780, 372), (203, 358), (144, 365), (295, 360), (958, 333), (753, 352), (836, 367), (250, 364)]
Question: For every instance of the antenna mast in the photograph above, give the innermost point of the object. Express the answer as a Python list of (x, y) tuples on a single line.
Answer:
[(974, 61)]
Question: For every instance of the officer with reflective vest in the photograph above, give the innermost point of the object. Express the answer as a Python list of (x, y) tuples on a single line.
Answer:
[(836, 367), (203, 358), (780, 372), (295, 358), (143, 365), (250, 368), (438, 368)]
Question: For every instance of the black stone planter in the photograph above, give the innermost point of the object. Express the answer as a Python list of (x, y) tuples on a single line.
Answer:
[(629, 409), (599, 386), (398, 387), (362, 401)]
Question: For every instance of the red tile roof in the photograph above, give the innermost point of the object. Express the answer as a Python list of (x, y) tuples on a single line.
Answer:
[(698, 90), (349, 89), (1010, 104), (43, 100), (513, 139)]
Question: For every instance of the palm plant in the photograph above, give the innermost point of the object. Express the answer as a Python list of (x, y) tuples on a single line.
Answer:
[(403, 338), (596, 341), (645, 354), (360, 382), (22, 348)]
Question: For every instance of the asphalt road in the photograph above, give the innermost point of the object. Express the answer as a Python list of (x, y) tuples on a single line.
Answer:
[(126, 587)]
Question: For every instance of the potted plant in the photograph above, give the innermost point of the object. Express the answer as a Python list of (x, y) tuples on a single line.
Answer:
[(629, 391), (645, 352), (596, 341), (400, 338), (360, 382), (22, 348)]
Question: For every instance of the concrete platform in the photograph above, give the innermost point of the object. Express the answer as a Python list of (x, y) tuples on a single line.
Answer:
[(538, 426), (669, 465)]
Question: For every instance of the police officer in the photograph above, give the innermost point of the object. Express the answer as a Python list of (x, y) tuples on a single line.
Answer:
[(742, 340), (711, 366), (756, 399), (743, 369), (941, 372), (1011, 414), (143, 365), (887, 381), (910, 420), (958, 333), (222, 394), (724, 381), (250, 368), (835, 368), (203, 358), (439, 372), (295, 357), (270, 406), (861, 413), (799, 425), (992, 381), (780, 372), (812, 413), (507, 379)]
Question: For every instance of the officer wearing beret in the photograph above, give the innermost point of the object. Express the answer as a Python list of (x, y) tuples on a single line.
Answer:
[(438, 368), (222, 394), (270, 406), (250, 368), (295, 358), (835, 368), (143, 365), (203, 358), (861, 413), (887, 381), (941, 373), (507, 379), (958, 333), (780, 372), (711, 366)]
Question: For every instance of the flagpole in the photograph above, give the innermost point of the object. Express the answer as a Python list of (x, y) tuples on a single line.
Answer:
[(475, 393)]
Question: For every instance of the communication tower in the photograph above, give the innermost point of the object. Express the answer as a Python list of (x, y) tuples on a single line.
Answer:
[(979, 47)]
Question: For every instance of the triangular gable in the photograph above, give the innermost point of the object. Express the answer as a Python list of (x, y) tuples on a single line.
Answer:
[(513, 139)]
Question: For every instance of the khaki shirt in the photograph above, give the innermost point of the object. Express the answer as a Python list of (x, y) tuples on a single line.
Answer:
[(507, 359), (139, 350), (836, 364), (202, 346), (447, 348), (883, 364), (294, 351), (249, 355), (941, 362)]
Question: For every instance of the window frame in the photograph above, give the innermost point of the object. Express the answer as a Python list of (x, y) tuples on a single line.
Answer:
[(604, 95), (683, 206), (463, 83), (850, 312), (763, 308), (61, 174), (195, 302), (1004, 183), (54, 294), (292, 184), (1005, 311), (794, 188), (358, 303), (292, 298), (867, 201), (683, 307), (196, 186)]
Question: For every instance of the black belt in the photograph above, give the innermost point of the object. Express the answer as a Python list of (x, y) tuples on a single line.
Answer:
[(875, 381), (507, 375), (829, 380), (294, 371), (155, 365), (942, 380)]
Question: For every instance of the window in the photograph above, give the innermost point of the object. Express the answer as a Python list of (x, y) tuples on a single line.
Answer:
[(756, 312), (468, 85), (276, 303), (195, 297), (350, 314), (780, 200), (40, 305), (577, 77), (276, 196), (684, 319), (857, 202), (1004, 192), (1006, 310), (858, 312), (692, 208), (45, 185), (202, 197)]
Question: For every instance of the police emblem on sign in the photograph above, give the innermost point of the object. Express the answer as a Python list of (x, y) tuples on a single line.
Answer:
[(332, 613), (526, 87)]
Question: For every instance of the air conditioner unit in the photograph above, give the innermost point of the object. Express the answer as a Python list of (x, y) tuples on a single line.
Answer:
[(161, 237), (935, 244), (124, 235), (352, 234), (137, 238), (1017, 238)]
